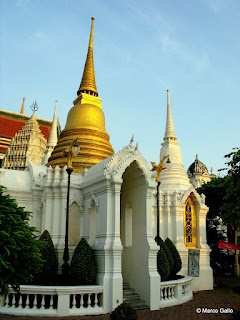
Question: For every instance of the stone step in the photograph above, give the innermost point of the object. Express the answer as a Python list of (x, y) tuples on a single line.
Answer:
[(128, 292), (132, 298)]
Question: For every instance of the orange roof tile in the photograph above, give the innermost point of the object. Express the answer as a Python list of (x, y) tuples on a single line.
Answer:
[(9, 127)]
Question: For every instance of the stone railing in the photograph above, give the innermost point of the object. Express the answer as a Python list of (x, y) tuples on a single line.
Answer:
[(53, 301), (175, 292)]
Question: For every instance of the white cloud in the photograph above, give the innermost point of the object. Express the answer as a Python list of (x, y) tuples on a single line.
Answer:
[(216, 6), (199, 60), (166, 34), (22, 3)]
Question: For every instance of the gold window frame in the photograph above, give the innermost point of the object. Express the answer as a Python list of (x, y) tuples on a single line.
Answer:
[(190, 224)]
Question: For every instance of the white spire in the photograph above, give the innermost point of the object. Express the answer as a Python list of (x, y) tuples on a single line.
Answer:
[(53, 138), (175, 177), (169, 133)]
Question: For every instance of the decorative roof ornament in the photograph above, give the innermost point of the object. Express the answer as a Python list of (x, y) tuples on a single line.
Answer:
[(88, 84), (22, 109), (34, 107), (169, 133), (132, 139)]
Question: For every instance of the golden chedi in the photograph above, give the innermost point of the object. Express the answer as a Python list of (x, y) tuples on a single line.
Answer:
[(86, 122)]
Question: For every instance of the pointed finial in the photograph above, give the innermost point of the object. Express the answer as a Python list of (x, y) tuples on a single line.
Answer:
[(132, 139), (169, 133), (22, 109), (88, 84), (91, 35), (211, 170), (196, 156), (168, 100)]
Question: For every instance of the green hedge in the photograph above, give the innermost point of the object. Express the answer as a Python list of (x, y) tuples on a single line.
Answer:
[(163, 266), (83, 268), (176, 257), (167, 252), (123, 312)]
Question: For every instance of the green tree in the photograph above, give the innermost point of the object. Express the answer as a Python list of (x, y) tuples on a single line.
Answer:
[(83, 266), (231, 206), (214, 191), (20, 256)]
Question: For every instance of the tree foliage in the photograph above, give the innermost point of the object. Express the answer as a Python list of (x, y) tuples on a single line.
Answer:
[(48, 274), (20, 256), (83, 266), (223, 194), (214, 191), (231, 206)]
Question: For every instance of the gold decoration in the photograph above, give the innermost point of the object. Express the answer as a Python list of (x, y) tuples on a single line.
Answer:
[(158, 168), (86, 122), (190, 224), (88, 84)]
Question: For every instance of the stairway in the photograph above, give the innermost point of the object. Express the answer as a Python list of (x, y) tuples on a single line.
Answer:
[(132, 298)]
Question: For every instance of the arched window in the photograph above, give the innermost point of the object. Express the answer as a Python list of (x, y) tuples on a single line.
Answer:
[(74, 224), (190, 224)]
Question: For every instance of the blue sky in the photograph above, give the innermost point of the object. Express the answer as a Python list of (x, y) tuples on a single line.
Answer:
[(141, 49)]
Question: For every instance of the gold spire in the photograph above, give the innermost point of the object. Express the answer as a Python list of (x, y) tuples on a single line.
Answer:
[(22, 109), (86, 122), (88, 84)]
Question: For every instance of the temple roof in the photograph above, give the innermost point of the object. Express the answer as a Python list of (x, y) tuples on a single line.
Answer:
[(11, 123)]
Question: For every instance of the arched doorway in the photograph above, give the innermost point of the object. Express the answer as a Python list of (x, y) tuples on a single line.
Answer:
[(133, 230)]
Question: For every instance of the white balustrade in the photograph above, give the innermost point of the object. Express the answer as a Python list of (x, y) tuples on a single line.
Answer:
[(175, 292), (53, 301), (80, 300)]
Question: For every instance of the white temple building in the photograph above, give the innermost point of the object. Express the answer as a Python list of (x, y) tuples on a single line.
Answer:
[(113, 202)]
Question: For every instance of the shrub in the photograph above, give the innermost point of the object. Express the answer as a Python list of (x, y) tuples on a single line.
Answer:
[(83, 268), (123, 312), (20, 257), (167, 252), (236, 315), (50, 267), (163, 266), (176, 257)]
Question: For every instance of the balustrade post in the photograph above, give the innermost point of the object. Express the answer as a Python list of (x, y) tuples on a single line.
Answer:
[(178, 291), (63, 306)]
